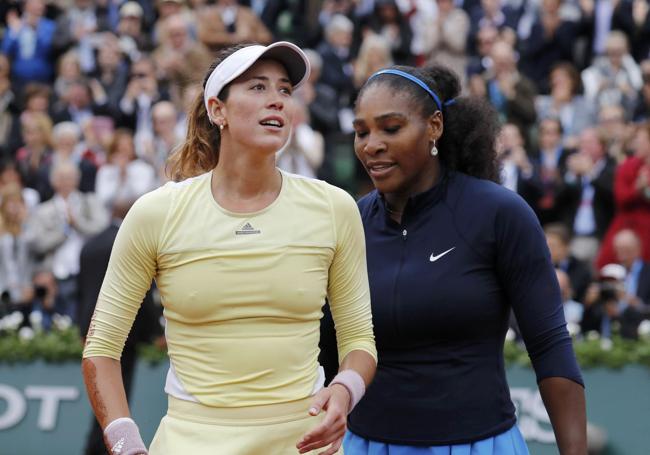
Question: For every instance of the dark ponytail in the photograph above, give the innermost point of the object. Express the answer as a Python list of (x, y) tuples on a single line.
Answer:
[(199, 153), (470, 124)]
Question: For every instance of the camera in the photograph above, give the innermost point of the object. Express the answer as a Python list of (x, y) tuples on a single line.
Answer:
[(608, 291), (40, 292)]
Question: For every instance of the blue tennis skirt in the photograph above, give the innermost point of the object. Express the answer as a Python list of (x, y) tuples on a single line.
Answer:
[(510, 442)]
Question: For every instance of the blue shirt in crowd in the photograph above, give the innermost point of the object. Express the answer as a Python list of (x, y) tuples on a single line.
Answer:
[(442, 284), (30, 51)]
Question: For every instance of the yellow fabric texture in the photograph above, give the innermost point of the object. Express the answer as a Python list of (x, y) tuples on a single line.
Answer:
[(180, 431), (271, 429), (242, 293)]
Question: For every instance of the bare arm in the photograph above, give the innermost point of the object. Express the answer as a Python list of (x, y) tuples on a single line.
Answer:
[(565, 403), (103, 379)]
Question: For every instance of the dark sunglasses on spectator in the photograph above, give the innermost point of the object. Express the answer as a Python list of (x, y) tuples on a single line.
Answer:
[(139, 75)]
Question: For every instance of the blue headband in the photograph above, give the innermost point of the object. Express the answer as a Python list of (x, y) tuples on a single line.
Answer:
[(417, 81)]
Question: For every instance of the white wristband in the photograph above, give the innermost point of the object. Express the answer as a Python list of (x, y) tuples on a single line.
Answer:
[(123, 437), (354, 383)]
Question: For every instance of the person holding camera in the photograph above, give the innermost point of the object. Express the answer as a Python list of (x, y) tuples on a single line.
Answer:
[(609, 309)]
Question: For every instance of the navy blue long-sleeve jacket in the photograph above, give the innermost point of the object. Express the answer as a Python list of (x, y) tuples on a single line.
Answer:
[(442, 285)]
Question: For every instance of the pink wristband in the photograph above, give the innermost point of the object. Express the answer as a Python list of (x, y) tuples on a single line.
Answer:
[(353, 382), (123, 437)]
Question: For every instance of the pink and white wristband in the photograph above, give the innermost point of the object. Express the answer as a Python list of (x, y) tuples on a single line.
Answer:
[(354, 383), (123, 437)]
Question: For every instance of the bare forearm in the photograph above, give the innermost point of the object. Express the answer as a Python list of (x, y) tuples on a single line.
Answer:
[(361, 362), (103, 379), (565, 403)]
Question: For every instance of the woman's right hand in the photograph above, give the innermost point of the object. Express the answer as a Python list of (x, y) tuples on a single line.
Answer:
[(334, 399)]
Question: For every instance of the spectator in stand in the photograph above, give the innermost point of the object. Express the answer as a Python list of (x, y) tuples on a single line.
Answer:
[(386, 20), (58, 229), (550, 159), (335, 51), (491, 13), (28, 44), (628, 247), (167, 135), (348, 8), (566, 103), (320, 98), (550, 42), (588, 206), (226, 23), (642, 110), (558, 239), (573, 310), (83, 99), (615, 78), (66, 142), (446, 38), (374, 54), (304, 153), (68, 71), (180, 60), (142, 92), (481, 62), (420, 15), (112, 70), (168, 8), (633, 18), (36, 130), (287, 20), (632, 195), (35, 98), (609, 309), (16, 264), (7, 105), (124, 176), (9, 175), (510, 92), (76, 29), (517, 171), (133, 39), (614, 130)]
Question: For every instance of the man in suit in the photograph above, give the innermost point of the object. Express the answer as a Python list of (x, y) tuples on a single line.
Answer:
[(93, 264), (587, 198), (58, 228), (627, 247), (81, 101), (550, 159), (558, 239)]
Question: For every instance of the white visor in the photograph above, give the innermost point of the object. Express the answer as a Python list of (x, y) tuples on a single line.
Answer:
[(288, 54)]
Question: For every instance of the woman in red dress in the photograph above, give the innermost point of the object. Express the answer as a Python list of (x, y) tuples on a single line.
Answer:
[(632, 195)]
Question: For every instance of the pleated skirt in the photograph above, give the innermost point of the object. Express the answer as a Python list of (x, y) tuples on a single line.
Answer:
[(192, 428), (510, 442)]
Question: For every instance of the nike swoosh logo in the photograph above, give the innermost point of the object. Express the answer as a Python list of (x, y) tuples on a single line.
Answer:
[(433, 258)]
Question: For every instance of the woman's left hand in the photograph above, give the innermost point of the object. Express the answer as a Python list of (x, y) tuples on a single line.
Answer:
[(335, 400)]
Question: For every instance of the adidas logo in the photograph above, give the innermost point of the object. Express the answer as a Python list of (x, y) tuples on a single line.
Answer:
[(117, 448), (247, 229)]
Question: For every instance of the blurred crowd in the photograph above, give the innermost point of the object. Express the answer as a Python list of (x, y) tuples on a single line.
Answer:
[(94, 95)]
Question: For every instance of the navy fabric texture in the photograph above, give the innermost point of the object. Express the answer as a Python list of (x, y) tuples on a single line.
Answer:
[(443, 283)]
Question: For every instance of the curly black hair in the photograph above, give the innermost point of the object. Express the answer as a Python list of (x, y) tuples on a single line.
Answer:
[(470, 124)]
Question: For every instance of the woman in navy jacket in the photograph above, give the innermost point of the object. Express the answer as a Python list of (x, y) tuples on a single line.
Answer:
[(450, 253)]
